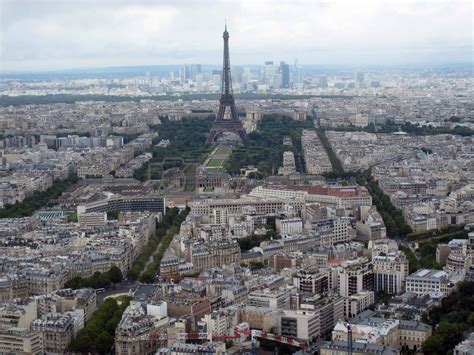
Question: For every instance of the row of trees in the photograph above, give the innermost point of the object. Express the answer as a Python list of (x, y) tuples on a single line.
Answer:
[(264, 148), (393, 217), (444, 234), (452, 319), (167, 233), (6, 100), (38, 199), (97, 337), (165, 230), (427, 258), (97, 280), (390, 127), (187, 141), (429, 130), (337, 169)]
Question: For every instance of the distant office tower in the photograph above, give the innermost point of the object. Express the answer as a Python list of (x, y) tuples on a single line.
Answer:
[(216, 80), (297, 73), (277, 80), (360, 79), (199, 80), (237, 72), (189, 72), (267, 73), (262, 74), (246, 75), (183, 74), (323, 82), (147, 78), (285, 75), (195, 69)]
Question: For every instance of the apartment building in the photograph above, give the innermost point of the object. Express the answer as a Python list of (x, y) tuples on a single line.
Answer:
[(312, 280), (139, 330), (355, 276), (215, 254), (300, 324), (277, 299), (21, 341), (390, 271), (357, 303), (428, 281), (57, 331), (289, 226)]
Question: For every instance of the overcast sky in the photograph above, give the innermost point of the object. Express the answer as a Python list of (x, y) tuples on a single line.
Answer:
[(64, 34)]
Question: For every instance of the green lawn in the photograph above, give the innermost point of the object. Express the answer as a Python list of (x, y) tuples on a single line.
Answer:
[(222, 150), (215, 163), (215, 169)]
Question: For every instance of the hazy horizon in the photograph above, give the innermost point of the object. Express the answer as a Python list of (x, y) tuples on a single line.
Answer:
[(77, 35)]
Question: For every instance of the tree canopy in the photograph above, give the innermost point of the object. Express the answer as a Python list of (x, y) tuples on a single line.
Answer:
[(97, 337)]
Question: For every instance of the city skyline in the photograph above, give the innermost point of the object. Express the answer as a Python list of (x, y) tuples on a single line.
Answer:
[(56, 35), (318, 201)]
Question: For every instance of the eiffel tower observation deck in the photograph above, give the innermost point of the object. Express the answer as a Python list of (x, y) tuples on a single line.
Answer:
[(227, 102)]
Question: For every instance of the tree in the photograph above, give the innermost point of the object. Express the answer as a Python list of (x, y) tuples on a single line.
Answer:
[(453, 317), (433, 345), (98, 334), (103, 342), (115, 274), (72, 217), (229, 344), (470, 319)]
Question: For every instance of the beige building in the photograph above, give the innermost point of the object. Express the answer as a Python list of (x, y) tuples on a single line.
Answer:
[(13, 286), (397, 334), (338, 347), (215, 254), (413, 334), (328, 309), (383, 332), (356, 304), (57, 331), (140, 330), (44, 281), (262, 318), (300, 324), (20, 341), (92, 219)]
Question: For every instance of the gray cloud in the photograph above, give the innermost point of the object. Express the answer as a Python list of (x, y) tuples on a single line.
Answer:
[(37, 34)]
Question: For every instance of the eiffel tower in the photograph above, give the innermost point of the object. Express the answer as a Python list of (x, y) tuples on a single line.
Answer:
[(227, 100)]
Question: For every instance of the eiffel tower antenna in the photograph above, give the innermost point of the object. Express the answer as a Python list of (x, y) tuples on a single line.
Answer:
[(227, 100)]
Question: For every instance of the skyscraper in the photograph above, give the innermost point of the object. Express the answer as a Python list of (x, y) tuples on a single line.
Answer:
[(183, 73), (269, 73), (285, 75), (298, 73), (199, 80), (194, 70), (237, 71)]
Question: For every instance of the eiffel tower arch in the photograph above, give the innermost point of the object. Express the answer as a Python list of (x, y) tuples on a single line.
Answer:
[(220, 124)]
